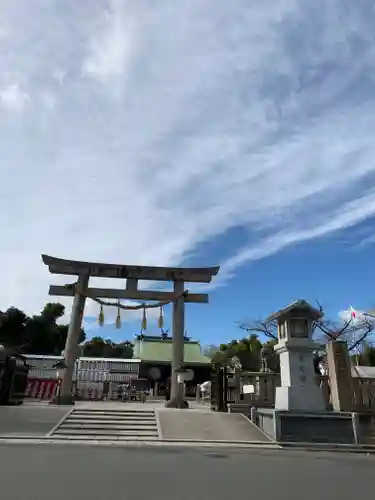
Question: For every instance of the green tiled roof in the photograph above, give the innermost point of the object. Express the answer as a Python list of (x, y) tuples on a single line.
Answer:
[(161, 350)]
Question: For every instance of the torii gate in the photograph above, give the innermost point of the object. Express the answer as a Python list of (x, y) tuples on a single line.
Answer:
[(80, 291)]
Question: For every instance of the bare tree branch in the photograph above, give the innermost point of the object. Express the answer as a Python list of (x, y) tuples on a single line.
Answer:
[(362, 337), (260, 327), (331, 330), (320, 307)]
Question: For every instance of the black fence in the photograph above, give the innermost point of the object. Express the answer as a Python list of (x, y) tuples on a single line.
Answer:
[(219, 388)]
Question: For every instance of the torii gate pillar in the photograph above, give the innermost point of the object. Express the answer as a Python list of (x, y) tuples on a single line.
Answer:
[(65, 396), (178, 332)]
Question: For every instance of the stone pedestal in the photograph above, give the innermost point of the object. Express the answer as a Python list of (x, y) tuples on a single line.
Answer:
[(308, 427), (177, 402), (301, 398), (299, 390)]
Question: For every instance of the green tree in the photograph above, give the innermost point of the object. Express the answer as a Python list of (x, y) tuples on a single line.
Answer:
[(13, 328), (273, 360), (246, 350), (39, 334), (53, 311), (123, 350), (211, 350), (98, 347), (367, 356)]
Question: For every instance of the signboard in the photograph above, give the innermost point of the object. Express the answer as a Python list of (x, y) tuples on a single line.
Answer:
[(248, 389)]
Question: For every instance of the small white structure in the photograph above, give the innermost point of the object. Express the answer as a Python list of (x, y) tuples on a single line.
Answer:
[(299, 390), (185, 376)]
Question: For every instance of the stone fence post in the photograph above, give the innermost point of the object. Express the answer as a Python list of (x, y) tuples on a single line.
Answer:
[(237, 391), (340, 376)]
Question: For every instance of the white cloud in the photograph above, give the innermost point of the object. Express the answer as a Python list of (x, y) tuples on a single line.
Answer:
[(348, 316), (357, 317), (173, 122), (112, 46), (12, 98)]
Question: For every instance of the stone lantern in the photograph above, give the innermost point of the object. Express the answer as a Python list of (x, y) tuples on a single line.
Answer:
[(299, 390)]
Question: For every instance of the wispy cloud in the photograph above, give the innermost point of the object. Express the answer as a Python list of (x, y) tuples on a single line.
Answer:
[(152, 127), (348, 215), (112, 44)]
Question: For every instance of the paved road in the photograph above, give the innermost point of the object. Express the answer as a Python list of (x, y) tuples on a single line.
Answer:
[(43, 472)]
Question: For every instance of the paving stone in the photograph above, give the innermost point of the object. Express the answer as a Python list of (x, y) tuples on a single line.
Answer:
[(186, 424)]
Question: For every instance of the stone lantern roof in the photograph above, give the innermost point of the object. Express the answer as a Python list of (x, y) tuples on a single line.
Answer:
[(298, 306)]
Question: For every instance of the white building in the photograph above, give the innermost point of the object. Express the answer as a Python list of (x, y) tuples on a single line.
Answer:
[(86, 369)]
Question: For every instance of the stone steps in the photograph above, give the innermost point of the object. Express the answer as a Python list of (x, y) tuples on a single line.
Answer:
[(115, 413), (132, 425), (71, 437), (109, 418), (110, 426), (105, 432)]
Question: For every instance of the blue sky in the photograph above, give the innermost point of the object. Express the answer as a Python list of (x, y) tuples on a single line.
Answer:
[(197, 132), (337, 271)]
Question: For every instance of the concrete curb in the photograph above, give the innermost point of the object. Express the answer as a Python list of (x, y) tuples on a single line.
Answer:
[(278, 445), (259, 444), (128, 443), (69, 438), (321, 447), (329, 447), (158, 425), (12, 437)]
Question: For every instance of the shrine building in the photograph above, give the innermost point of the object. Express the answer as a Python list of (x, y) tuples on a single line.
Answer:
[(155, 355)]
